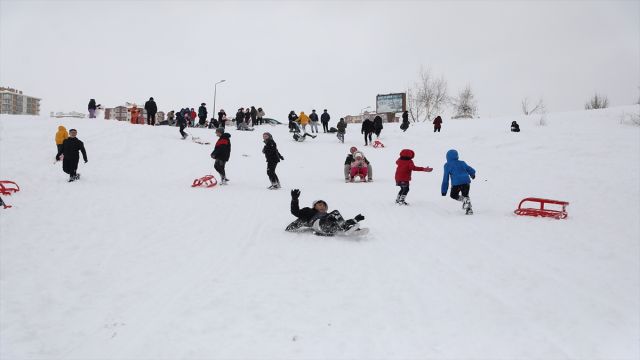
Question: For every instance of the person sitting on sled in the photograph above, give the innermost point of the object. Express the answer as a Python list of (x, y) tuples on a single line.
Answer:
[(350, 159), (319, 219), (300, 138), (358, 167)]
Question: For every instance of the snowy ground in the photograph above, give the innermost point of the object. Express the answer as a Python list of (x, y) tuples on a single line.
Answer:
[(133, 263)]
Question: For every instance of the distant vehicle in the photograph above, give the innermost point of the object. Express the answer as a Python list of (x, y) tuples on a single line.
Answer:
[(271, 121)]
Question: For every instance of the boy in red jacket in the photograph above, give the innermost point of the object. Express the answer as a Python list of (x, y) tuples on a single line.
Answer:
[(403, 174)]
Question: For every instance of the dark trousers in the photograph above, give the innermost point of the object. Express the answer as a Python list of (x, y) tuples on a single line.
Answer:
[(151, 119), (59, 150), (271, 172), (340, 137), (436, 128), (219, 166), (70, 166), (455, 191), (182, 126), (404, 187), (377, 131), (325, 126), (367, 135), (202, 120)]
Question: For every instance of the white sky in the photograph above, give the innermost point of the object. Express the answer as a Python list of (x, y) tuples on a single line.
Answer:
[(299, 55)]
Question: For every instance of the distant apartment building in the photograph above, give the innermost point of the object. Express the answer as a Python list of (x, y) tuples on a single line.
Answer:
[(14, 102)]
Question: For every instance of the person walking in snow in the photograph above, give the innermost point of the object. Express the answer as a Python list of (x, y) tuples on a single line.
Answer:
[(182, 119), (254, 116), (221, 153), (222, 118), (314, 121), (377, 126), (324, 119), (303, 120), (515, 127), (273, 157), (151, 108), (367, 130), (405, 121), (461, 175), (318, 218), (350, 159), (403, 174), (342, 130), (70, 157), (92, 107), (61, 136), (437, 124)]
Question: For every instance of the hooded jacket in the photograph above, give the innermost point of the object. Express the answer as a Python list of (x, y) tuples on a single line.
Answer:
[(151, 107), (222, 149), (437, 121), (406, 166), (367, 126), (61, 135), (270, 151), (458, 170), (305, 214), (303, 118)]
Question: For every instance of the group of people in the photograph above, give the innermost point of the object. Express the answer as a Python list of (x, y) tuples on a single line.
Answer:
[(247, 118), (69, 146), (298, 122)]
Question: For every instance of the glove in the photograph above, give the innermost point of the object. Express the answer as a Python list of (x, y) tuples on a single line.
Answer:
[(444, 194), (359, 217), (295, 194), (473, 176), (428, 169), (281, 157)]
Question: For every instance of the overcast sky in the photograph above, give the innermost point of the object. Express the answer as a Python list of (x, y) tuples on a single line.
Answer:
[(303, 55)]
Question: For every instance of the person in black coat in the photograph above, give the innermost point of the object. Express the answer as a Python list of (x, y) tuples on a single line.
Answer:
[(273, 157), (202, 114), (254, 116), (292, 119), (92, 108), (222, 118), (377, 125), (405, 121), (317, 218), (69, 152), (324, 119), (367, 130), (515, 127), (313, 121), (221, 153), (181, 121), (247, 117), (152, 109)]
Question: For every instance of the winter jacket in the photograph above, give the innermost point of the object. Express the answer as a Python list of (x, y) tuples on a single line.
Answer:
[(271, 152), (305, 214), (240, 116), (222, 149), (342, 127), (515, 127), (151, 107), (437, 121), (254, 113), (70, 148), (350, 159), (313, 117), (325, 117), (221, 115), (458, 170), (261, 114), (303, 119), (292, 116), (135, 112), (377, 123), (367, 126), (202, 112), (61, 135), (192, 115), (171, 115), (405, 116), (406, 166), (92, 105)]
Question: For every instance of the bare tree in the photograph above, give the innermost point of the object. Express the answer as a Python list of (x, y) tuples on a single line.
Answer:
[(525, 106), (465, 104), (597, 102), (427, 97), (414, 106)]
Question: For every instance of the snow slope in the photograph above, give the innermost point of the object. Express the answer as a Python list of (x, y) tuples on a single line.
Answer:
[(133, 263)]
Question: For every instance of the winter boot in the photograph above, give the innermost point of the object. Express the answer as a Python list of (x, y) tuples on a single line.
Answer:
[(466, 203), (401, 201)]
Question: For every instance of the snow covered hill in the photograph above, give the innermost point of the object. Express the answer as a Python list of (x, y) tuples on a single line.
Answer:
[(132, 263)]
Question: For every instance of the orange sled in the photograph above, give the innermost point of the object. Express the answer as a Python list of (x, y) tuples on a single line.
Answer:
[(205, 181), (8, 187), (542, 211)]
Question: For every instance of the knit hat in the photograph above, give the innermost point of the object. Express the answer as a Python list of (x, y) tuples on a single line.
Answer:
[(320, 201), (353, 149)]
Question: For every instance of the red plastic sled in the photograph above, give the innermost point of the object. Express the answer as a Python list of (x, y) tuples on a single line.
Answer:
[(8, 187), (378, 144), (541, 211), (205, 181)]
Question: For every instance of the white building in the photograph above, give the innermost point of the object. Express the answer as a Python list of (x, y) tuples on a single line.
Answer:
[(12, 101)]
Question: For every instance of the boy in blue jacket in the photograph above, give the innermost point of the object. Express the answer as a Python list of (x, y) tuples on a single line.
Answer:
[(461, 175)]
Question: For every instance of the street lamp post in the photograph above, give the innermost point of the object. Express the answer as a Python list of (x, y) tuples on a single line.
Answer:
[(215, 90)]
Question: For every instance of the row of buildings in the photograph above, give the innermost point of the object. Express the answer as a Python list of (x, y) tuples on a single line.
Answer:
[(14, 102)]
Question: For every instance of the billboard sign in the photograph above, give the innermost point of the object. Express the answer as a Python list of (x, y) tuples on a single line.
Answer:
[(391, 103)]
